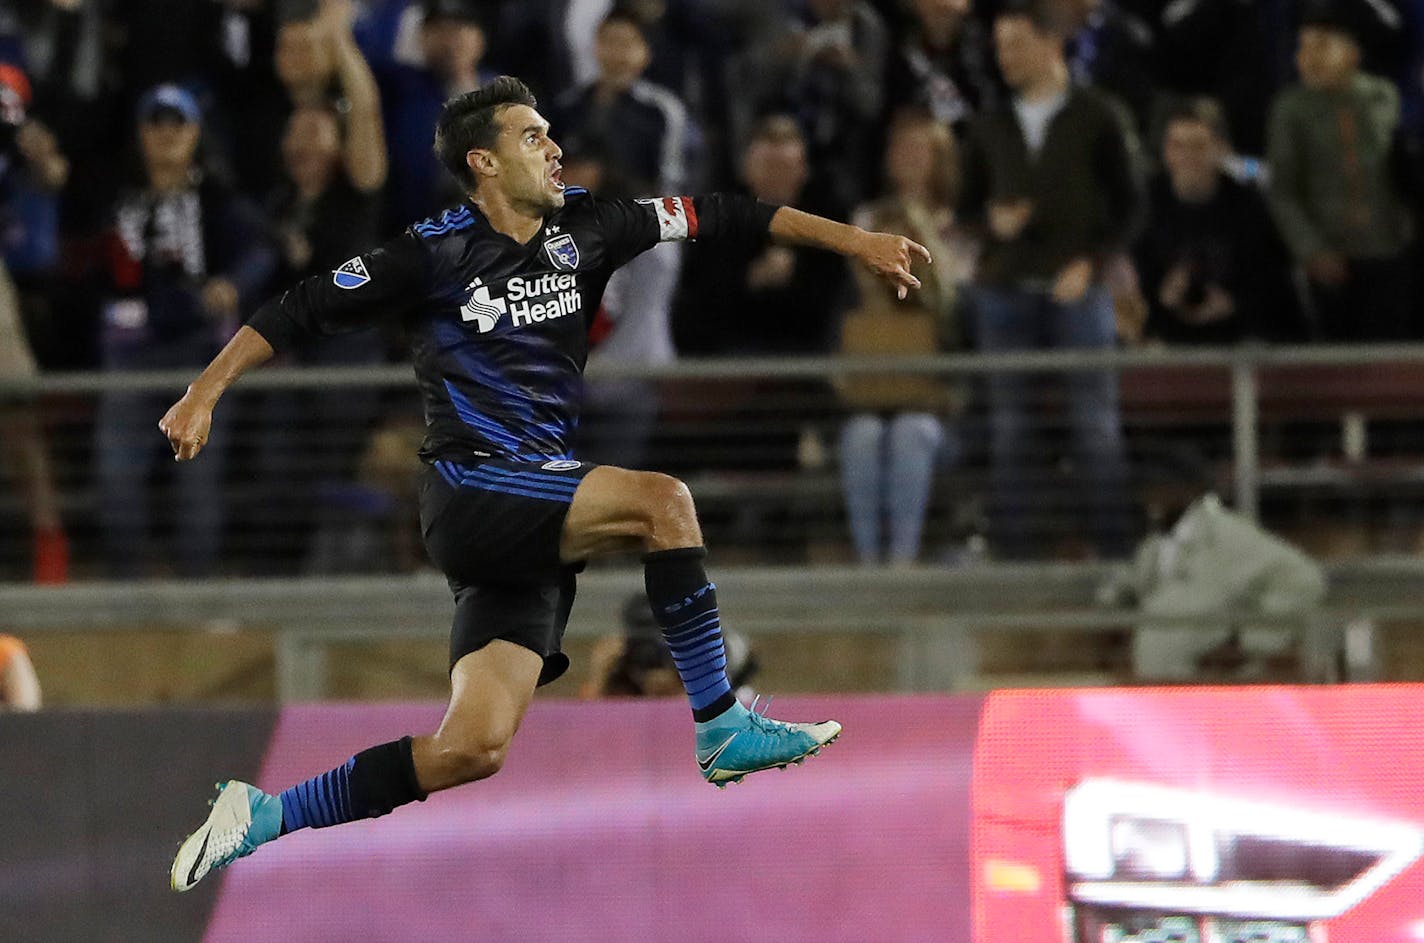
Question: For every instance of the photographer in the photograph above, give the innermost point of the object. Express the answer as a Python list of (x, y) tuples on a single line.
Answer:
[(1211, 264), (638, 663)]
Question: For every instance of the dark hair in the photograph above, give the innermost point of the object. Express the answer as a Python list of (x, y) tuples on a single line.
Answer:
[(1347, 19), (624, 15), (471, 121), (1046, 17), (1201, 109), (777, 128)]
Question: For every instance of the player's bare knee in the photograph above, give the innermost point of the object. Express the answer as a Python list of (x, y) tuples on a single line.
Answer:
[(472, 756), (477, 760), (671, 514)]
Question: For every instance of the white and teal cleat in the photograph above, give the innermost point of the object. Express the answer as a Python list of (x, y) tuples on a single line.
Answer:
[(743, 741), (242, 818)]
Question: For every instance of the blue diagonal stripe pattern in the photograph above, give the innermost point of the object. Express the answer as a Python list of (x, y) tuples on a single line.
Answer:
[(695, 641), (319, 802), (528, 484), (451, 220)]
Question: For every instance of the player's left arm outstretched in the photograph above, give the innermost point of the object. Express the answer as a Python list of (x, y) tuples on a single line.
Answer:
[(886, 254)]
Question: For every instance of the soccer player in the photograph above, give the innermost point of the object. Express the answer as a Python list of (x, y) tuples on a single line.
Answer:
[(496, 296)]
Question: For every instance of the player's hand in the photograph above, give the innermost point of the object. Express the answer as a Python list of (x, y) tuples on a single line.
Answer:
[(890, 256), (187, 424)]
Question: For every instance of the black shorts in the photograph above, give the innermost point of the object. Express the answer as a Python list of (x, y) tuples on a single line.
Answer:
[(494, 529)]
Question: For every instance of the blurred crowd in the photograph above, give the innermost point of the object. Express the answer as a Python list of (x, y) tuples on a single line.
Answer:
[(1086, 173)]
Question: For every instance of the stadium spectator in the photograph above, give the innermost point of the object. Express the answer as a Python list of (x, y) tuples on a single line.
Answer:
[(640, 127), (249, 102), (764, 299), (326, 211), (1334, 191), (452, 46), (19, 685), (1221, 49), (30, 163), (63, 46), (185, 257), (1112, 49), (1213, 267), (1049, 181), (837, 90), (944, 63), (896, 434)]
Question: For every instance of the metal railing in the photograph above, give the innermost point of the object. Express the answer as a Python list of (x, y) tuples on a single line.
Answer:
[(718, 467)]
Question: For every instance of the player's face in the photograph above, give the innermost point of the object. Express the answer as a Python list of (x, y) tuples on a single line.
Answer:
[(528, 164)]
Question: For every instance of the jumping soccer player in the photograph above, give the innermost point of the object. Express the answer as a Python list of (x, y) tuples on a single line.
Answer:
[(497, 295)]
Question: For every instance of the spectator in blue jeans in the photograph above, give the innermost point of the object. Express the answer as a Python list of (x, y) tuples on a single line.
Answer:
[(896, 432), (1048, 180), (184, 256)]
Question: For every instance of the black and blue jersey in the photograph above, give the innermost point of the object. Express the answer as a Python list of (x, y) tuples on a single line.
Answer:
[(499, 330)]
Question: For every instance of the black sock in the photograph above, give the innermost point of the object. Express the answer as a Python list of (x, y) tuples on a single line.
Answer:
[(370, 784)]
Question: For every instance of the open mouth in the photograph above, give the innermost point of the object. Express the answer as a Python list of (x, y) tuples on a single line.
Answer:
[(557, 178)]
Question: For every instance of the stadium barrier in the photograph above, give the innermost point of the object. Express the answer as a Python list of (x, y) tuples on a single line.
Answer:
[(934, 622)]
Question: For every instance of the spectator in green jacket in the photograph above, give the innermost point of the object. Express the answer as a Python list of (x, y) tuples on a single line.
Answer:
[(1334, 193)]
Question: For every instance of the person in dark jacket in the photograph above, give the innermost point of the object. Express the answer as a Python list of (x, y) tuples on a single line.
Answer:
[(1212, 266), (1048, 179)]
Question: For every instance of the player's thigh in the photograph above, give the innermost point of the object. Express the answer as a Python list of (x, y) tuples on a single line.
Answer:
[(616, 510), (490, 690)]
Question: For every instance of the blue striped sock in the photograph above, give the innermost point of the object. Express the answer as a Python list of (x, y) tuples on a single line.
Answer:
[(320, 801), (371, 783), (684, 604)]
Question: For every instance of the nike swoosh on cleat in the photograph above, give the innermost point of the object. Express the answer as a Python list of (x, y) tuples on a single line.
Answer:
[(707, 763), (193, 871)]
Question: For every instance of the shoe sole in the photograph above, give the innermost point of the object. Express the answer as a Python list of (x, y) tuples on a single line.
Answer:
[(230, 808), (723, 777)]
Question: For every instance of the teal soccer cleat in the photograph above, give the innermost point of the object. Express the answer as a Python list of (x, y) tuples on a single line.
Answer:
[(242, 818), (743, 741)]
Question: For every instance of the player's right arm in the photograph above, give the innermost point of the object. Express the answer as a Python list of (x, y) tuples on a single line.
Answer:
[(368, 288)]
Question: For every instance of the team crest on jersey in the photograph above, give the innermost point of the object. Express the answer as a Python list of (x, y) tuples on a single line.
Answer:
[(562, 464), (351, 274), (563, 252)]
